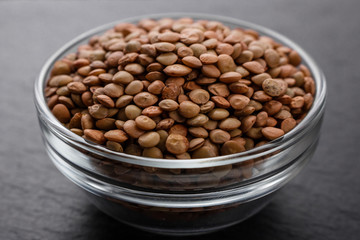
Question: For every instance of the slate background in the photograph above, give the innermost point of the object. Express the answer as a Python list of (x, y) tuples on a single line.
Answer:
[(37, 202)]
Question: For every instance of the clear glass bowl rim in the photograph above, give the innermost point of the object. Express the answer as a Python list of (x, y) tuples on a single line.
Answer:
[(56, 127)]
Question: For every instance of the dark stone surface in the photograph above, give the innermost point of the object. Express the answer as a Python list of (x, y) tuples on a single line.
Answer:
[(37, 202)]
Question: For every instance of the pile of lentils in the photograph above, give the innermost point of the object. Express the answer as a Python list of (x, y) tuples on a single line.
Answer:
[(180, 88)]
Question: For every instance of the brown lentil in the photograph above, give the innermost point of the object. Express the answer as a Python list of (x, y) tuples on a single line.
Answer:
[(283, 114), (219, 136), (198, 132), (226, 63), (210, 125), (164, 46), (60, 80), (86, 121), (168, 105), (156, 87), (152, 152), (105, 100), (76, 87), (238, 87), (220, 102), (167, 58), (114, 146), (122, 77), (219, 89), (274, 87), (149, 139), (231, 147), (132, 130), (95, 136), (224, 48), (165, 124), (297, 102), (123, 101), (207, 58), (199, 96), (230, 77), (260, 78), (113, 90), (238, 101), (188, 109), (75, 121), (177, 144), (177, 117), (255, 133), (210, 71), (254, 67), (247, 123), (196, 143), (177, 70), (145, 99), (61, 112), (185, 51), (98, 111), (134, 87), (272, 58), (178, 129), (145, 123), (229, 124), (204, 152), (116, 136), (152, 111), (132, 111), (104, 124), (288, 124), (207, 107), (261, 119), (272, 133), (197, 121), (171, 91), (191, 61), (218, 114)]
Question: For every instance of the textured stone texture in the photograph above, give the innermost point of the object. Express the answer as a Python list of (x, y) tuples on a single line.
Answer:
[(37, 202)]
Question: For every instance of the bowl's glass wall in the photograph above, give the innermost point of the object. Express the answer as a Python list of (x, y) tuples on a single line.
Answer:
[(179, 180), (182, 214)]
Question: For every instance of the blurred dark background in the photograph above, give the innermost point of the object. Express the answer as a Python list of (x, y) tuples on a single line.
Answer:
[(37, 202)]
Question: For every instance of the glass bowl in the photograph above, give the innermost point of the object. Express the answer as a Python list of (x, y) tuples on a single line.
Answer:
[(181, 197)]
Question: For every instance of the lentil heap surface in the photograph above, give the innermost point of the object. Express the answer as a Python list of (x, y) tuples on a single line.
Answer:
[(180, 89)]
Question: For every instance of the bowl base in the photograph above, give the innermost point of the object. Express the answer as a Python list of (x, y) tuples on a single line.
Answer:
[(181, 222)]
